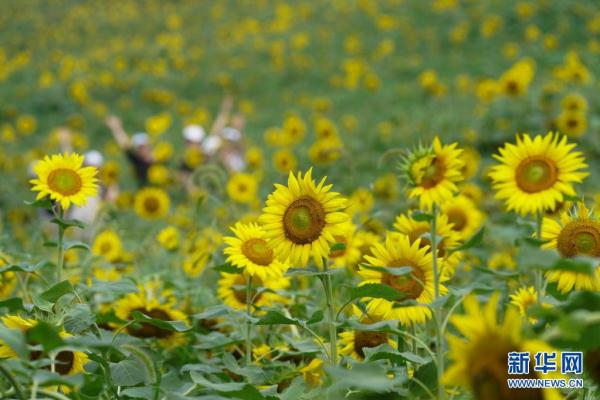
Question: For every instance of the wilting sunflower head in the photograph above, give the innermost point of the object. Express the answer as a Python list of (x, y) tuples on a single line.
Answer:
[(577, 233), (479, 356), (535, 174), (65, 180), (250, 250), (152, 203), (432, 172), (301, 220)]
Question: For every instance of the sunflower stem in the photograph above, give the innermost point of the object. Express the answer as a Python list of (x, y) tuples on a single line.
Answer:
[(248, 320), (437, 309), (331, 311), (539, 275), (61, 250)]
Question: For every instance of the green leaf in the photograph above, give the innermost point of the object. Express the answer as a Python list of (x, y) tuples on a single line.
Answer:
[(581, 265), (276, 318), (126, 373), (338, 247), (14, 339), (76, 245), (66, 223), (475, 241), (212, 312), (427, 374), (307, 272), (228, 268), (396, 271), (41, 203), (144, 360), (316, 317), (176, 326), (57, 291), (376, 291), (26, 267), (238, 390), (13, 304), (421, 216), (46, 335), (79, 318)]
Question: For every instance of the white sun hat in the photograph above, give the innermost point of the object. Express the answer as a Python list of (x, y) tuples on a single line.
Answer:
[(140, 139), (194, 133), (93, 158)]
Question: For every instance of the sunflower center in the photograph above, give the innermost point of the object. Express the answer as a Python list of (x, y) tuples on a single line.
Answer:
[(457, 218), (145, 330), (412, 285), (304, 220), (572, 123), (579, 237), (341, 252), (424, 234), (536, 173), (366, 339), (433, 173), (105, 248), (257, 251), (64, 181), (151, 204)]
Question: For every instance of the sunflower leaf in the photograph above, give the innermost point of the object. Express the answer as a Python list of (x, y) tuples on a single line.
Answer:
[(66, 223), (580, 265), (13, 304), (228, 268), (177, 326), (26, 267), (376, 291), (57, 291), (41, 203), (76, 245), (396, 271), (46, 335), (475, 241), (277, 318), (421, 216), (338, 247)]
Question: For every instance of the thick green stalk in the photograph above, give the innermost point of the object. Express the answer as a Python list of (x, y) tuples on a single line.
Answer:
[(331, 311), (437, 309), (539, 274), (248, 321), (61, 248)]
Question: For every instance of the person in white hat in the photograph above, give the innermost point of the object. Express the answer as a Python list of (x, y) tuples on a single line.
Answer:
[(137, 148)]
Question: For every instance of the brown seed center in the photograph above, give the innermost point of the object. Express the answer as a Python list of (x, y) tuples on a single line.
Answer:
[(579, 237), (536, 174), (366, 339), (64, 181), (258, 251), (304, 220), (412, 285)]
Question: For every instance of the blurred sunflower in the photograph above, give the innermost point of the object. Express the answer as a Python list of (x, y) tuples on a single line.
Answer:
[(250, 250), (67, 362), (168, 238), (350, 255), (522, 299), (64, 179), (479, 360), (242, 187), (535, 174), (421, 231), (284, 161), (8, 279), (398, 251), (576, 234), (302, 219), (151, 203), (463, 215), (107, 244), (432, 172), (195, 262), (232, 290), (572, 123)]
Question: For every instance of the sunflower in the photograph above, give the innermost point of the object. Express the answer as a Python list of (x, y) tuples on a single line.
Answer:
[(432, 172), (67, 362), (250, 250), (479, 360), (398, 251), (155, 303), (522, 299), (302, 219), (284, 161), (421, 230), (8, 279), (151, 203), (353, 343), (471, 160), (576, 234), (62, 177), (350, 255), (463, 215), (572, 123), (364, 241), (107, 245), (242, 187), (232, 290), (168, 238), (195, 262), (535, 174)]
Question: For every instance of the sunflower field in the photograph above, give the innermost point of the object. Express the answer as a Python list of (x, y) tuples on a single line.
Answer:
[(300, 199)]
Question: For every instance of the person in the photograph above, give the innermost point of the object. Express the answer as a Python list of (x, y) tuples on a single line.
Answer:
[(137, 148)]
